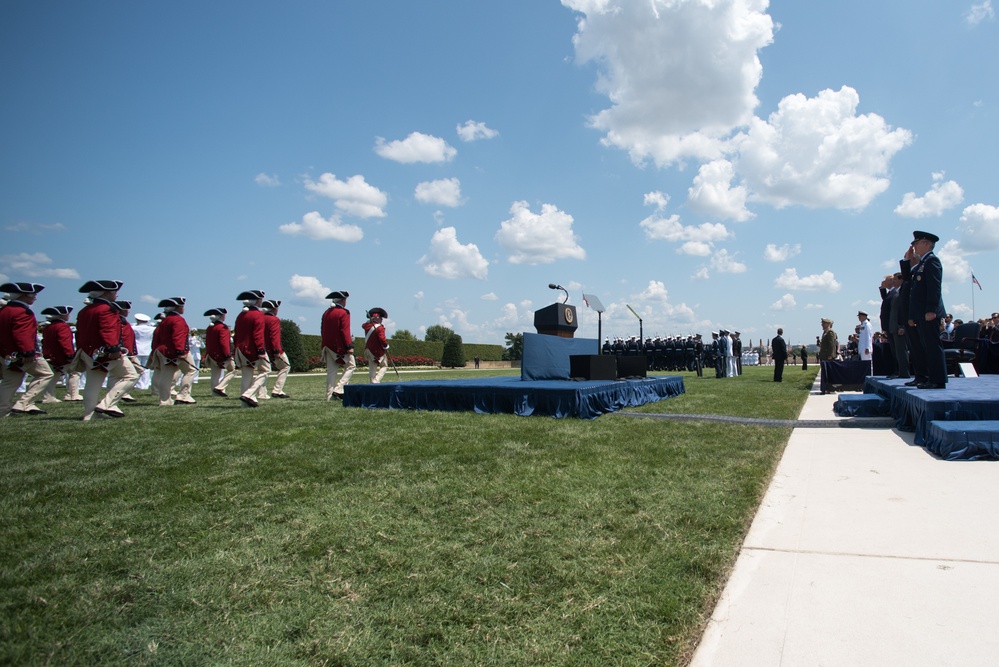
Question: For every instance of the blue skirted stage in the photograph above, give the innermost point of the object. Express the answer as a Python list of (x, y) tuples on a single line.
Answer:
[(586, 399), (956, 423), (545, 387)]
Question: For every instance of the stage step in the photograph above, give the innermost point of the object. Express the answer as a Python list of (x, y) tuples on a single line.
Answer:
[(860, 405), (964, 440)]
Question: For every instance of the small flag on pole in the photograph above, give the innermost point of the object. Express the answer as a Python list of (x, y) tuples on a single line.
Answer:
[(974, 281)]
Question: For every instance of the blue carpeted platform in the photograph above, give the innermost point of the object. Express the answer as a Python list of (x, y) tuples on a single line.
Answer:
[(964, 400), (964, 440), (861, 405), (586, 399)]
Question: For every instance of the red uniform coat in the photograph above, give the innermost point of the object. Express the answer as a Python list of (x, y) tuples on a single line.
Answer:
[(335, 329), (18, 327), (57, 343), (374, 341), (172, 340), (272, 334), (218, 342), (250, 333), (128, 338), (98, 325)]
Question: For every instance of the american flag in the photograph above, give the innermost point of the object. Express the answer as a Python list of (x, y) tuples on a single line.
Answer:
[(974, 281)]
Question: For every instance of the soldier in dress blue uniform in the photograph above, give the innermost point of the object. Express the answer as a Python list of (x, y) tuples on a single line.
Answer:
[(926, 308)]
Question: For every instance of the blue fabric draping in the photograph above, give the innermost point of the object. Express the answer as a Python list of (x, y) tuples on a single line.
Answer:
[(555, 398), (964, 440), (844, 375), (861, 405), (547, 357)]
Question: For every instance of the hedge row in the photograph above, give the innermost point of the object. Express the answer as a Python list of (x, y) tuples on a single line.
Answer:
[(410, 348)]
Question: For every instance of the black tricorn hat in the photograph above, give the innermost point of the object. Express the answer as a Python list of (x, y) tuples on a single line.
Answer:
[(917, 235), (271, 304), (338, 294), (172, 302), (123, 305), (21, 288), (250, 295), (58, 310), (380, 312), (218, 312), (101, 286)]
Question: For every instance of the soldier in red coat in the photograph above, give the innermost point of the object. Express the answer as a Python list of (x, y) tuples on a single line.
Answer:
[(128, 342), (99, 352), (338, 344), (19, 351), (218, 351), (58, 350), (251, 352), (375, 345), (172, 355), (275, 352)]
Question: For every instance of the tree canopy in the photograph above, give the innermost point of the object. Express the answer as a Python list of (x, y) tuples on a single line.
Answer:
[(438, 333)]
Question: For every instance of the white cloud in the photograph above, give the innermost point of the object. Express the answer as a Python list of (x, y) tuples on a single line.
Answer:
[(658, 228), (981, 12), (316, 227), (818, 152), (148, 298), (417, 147), (34, 265), (980, 227), (447, 258), (695, 248), (35, 228), (956, 268), (941, 197), (443, 192), (473, 130), (657, 199), (702, 273), (354, 196), (267, 180), (774, 254), (538, 238), (824, 281), (725, 263), (712, 192), (307, 290), (680, 74), (786, 302), (491, 296)]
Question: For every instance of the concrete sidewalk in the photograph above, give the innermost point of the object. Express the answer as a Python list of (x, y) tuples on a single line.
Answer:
[(865, 551)]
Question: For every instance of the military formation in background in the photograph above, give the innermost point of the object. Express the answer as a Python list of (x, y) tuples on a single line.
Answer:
[(684, 353), (106, 352)]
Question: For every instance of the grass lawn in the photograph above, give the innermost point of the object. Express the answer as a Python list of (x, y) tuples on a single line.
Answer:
[(305, 533)]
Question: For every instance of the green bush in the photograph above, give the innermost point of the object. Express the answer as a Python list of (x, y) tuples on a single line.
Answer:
[(454, 352), (291, 341)]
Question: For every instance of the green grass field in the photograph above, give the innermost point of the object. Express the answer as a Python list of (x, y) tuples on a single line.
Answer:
[(306, 533)]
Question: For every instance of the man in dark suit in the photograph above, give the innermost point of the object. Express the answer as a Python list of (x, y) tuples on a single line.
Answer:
[(926, 308), (780, 355), (897, 317)]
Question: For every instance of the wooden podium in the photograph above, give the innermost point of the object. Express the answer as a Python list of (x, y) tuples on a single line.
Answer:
[(558, 319)]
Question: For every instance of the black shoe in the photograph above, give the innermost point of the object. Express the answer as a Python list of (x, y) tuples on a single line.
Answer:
[(177, 401), (912, 383), (114, 414), (128, 399), (249, 401), (931, 385), (32, 411), (219, 392), (281, 395), (338, 397)]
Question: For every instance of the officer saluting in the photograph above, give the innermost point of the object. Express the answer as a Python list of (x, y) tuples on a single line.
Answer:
[(251, 353), (218, 349), (338, 344), (19, 351), (99, 352)]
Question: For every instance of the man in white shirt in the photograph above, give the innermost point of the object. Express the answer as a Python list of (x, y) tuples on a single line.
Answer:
[(865, 337), (144, 347)]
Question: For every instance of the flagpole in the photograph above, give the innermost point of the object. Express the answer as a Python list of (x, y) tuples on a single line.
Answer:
[(973, 319)]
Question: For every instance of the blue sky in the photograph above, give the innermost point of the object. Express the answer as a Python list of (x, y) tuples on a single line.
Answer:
[(740, 164)]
